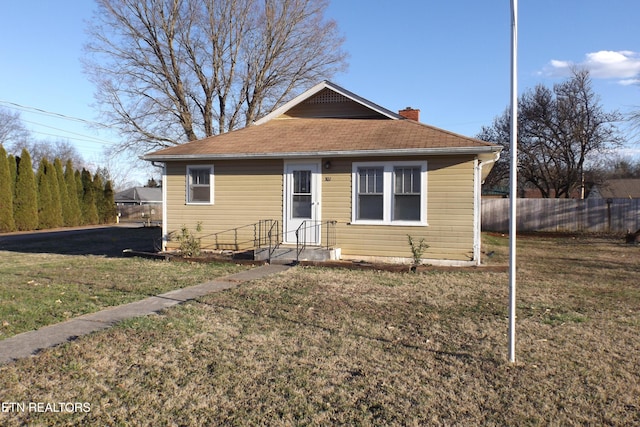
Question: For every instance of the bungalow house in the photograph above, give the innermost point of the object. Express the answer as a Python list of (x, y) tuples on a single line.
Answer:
[(331, 169)]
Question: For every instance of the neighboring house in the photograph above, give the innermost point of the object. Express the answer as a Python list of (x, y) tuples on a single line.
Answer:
[(139, 204), (330, 168), (623, 188), (139, 196)]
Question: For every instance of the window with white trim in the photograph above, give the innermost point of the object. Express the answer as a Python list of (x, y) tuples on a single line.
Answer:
[(200, 185), (390, 193), (370, 193), (406, 193)]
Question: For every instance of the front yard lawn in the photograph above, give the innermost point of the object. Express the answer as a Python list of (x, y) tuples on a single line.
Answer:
[(314, 346), (40, 289)]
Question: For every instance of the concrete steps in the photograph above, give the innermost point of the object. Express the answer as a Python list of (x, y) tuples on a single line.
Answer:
[(286, 253)]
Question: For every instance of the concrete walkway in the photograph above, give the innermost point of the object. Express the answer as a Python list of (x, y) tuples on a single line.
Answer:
[(28, 343)]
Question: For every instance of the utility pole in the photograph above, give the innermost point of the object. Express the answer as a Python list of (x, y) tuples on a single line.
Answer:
[(513, 196)]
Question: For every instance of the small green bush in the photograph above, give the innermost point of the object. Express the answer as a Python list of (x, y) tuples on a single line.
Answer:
[(417, 249), (189, 243)]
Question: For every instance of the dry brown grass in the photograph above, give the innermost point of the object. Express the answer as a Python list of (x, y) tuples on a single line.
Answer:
[(39, 289), (323, 347)]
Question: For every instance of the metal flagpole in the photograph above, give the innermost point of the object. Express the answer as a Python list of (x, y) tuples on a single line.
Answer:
[(513, 177)]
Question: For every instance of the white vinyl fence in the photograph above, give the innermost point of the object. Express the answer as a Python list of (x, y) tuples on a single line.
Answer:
[(568, 215)]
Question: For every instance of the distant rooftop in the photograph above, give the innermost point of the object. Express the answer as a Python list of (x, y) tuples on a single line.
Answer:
[(139, 195), (623, 188)]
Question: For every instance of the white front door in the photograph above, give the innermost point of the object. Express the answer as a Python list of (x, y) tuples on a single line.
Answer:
[(302, 202)]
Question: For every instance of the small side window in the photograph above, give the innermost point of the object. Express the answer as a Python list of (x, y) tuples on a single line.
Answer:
[(200, 185)]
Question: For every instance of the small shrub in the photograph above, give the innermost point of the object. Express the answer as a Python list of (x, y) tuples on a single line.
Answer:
[(417, 249), (189, 243)]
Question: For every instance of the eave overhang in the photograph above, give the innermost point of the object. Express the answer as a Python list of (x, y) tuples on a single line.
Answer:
[(493, 151)]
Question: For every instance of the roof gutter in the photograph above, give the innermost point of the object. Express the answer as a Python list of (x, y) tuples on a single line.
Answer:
[(444, 151)]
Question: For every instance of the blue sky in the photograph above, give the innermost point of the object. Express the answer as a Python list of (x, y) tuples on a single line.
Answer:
[(448, 59)]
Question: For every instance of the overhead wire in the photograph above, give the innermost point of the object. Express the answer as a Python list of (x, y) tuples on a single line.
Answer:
[(51, 113), (82, 137), (79, 136)]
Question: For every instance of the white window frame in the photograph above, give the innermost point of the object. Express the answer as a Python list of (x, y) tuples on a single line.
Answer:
[(188, 184), (388, 192)]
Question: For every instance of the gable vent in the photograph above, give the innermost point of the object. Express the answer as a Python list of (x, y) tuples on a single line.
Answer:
[(326, 97)]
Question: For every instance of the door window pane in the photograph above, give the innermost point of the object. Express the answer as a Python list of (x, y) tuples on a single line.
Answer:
[(301, 206), (301, 200), (302, 182)]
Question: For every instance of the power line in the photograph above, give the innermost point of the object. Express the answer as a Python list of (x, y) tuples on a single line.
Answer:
[(64, 137), (85, 138), (51, 113), (80, 137)]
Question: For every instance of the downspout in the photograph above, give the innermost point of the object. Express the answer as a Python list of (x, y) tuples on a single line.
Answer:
[(165, 235), (477, 205)]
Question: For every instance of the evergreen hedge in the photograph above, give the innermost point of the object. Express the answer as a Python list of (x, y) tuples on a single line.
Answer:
[(52, 197), (6, 194)]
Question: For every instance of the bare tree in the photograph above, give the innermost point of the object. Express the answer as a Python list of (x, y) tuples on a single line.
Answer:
[(15, 137), (12, 130), (633, 117), (50, 149), (171, 71), (558, 130)]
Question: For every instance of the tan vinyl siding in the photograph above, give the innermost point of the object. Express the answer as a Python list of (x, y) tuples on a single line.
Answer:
[(245, 192), (449, 212), (248, 191)]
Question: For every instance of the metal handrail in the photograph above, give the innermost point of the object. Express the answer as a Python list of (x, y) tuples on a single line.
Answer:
[(330, 237), (272, 248), (263, 235)]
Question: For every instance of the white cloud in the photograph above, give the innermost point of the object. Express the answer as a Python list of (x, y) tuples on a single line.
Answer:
[(623, 65), (560, 64), (629, 82)]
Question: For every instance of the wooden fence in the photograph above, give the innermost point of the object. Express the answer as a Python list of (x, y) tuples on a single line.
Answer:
[(569, 215)]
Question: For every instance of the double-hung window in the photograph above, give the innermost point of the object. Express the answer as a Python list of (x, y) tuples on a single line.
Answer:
[(370, 193), (389, 193), (406, 193), (200, 185)]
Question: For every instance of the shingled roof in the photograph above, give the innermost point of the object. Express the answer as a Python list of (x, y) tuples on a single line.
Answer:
[(291, 132), (326, 137), (139, 195), (628, 188)]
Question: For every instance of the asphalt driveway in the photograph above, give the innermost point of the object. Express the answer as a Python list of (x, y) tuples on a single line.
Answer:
[(108, 241)]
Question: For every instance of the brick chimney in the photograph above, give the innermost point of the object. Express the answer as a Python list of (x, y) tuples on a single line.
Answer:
[(410, 113)]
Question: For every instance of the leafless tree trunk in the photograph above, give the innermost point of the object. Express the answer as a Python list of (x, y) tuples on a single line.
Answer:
[(171, 71)]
